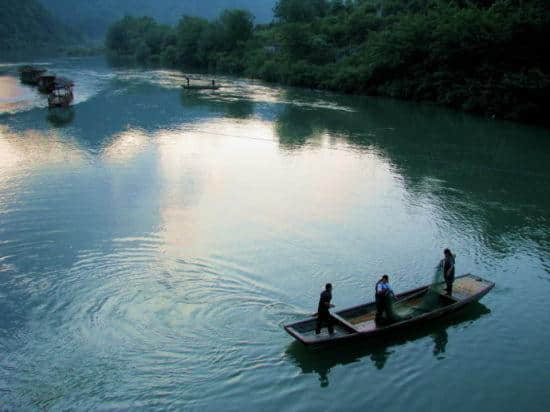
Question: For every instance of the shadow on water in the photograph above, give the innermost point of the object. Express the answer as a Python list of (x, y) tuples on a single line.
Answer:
[(224, 104), (323, 360), (491, 174), (60, 116)]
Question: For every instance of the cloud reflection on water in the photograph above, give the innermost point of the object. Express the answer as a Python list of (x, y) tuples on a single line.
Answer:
[(15, 96), (125, 146), (223, 171), (22, 152)]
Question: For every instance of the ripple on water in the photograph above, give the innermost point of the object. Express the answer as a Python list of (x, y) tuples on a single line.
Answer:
[(130, 305)]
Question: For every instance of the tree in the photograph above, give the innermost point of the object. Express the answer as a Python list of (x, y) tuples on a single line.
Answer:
[(189, 32), (293, 11), (237, 26)]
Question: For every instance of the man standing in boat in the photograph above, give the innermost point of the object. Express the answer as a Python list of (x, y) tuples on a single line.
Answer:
[(383, 295), (448, 264), (323, 314)]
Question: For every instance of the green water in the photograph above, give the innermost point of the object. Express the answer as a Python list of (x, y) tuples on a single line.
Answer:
[(153, 242)]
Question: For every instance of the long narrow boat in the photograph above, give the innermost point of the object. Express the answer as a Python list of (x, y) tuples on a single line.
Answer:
[(358, 322), (209, 86), (200, 86)]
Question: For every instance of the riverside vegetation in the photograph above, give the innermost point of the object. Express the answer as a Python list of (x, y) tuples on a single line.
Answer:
[(483, 56), (28, 25), (28, 30)]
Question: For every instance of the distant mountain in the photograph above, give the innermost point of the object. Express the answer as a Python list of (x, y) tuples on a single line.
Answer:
[(25, 25), (93, 17)]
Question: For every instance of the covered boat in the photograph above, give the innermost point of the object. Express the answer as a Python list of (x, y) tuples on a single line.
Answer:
[(46, 82), (62, 93), (412, 308), (30, 74)]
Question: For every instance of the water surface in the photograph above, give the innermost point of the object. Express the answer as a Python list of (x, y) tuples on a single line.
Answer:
[(153, 241)]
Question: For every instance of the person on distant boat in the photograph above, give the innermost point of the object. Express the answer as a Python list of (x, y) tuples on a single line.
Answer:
[(323, 314), (383, 296), (448, 264)]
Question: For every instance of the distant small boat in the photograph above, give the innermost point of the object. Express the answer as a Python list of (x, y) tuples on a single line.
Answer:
[(30, 74), (62, 93), (200, 87), (358, 322), (209, 86)]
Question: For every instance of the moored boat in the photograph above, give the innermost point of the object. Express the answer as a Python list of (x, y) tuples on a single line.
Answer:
[(62, 93), (46, 82), (358, 322), (30, 74)]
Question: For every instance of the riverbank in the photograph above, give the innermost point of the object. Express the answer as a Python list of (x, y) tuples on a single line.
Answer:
[(489, 57)]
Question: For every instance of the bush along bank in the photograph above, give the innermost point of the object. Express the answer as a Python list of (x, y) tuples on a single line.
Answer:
[(483, 56)]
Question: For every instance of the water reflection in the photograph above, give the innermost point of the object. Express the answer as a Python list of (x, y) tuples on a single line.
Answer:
[(322, 361), (475, 171), (230, 105), (33, 149), (124, 146), (483, 187), (441, 338), (157, 219), (60, 116), (15, 96)]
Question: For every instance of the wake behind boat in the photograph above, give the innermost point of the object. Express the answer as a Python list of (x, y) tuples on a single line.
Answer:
[(358, 322)]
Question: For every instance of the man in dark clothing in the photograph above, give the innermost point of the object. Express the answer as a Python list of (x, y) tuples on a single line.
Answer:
[(448, 264), (323, 314), (383, 295)]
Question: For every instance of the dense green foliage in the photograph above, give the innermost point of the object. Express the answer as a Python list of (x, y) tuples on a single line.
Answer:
[(194, 42), (93, 17), (27, 25), (484, 56)]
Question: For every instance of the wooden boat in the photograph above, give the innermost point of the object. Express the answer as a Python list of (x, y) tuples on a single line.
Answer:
[(200, 87), (62, 93), (358, 322), (46, 82), (209, 86), (30, 74)]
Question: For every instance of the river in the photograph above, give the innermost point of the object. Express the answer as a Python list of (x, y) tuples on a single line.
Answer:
[(153, 242)]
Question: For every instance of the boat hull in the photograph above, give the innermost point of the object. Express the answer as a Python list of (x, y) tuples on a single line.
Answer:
[(197, 87), (358, 322)]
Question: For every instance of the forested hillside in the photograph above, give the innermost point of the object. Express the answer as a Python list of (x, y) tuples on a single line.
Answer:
[(93, 17), (483, 56), (27, 25)]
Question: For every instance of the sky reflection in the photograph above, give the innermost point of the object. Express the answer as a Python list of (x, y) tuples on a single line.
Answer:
[(124, 146), (15, 97), (22, 152), (219, 174)]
